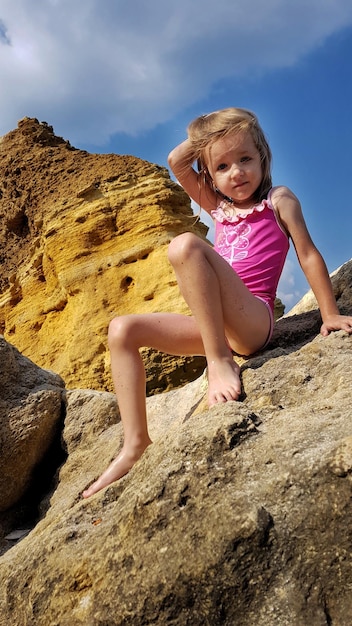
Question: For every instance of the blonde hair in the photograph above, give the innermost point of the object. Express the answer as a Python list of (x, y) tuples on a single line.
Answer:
[(206, 129)]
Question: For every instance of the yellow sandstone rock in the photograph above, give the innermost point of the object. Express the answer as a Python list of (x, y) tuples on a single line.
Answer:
[(84, 237)]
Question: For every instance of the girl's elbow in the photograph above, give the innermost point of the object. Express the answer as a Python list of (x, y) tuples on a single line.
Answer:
[(170, 157), (174, 160)]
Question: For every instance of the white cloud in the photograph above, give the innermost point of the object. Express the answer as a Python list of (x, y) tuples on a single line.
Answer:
[(94, 68)]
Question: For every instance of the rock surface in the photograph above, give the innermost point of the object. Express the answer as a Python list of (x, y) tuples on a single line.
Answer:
[(238, 515), (30, 412), (84, 237)]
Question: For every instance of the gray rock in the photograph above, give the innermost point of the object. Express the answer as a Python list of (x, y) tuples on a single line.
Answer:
[(30, 410), (238, 515)]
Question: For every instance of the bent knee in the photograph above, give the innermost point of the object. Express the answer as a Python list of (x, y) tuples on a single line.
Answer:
[(119, 329), (181, 247)]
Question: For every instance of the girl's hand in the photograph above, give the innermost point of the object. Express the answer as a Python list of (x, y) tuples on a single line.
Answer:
[(336, 322)]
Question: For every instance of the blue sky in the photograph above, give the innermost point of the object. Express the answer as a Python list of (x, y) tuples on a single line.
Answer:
[(127, 76)]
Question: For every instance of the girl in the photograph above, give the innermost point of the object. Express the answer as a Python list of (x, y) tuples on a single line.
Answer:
[(230, 289)]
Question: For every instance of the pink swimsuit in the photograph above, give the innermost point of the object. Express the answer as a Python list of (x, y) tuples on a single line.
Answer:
[(255, 245)]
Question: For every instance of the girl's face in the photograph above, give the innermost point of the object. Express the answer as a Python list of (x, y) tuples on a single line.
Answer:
[(235, 167)]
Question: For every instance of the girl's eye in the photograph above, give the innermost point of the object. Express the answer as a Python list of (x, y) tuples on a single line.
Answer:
[(245, 159), (222, 166)]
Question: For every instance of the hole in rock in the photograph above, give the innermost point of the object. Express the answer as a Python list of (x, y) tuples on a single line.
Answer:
[(141, 255), (126, 283), (18, 224)]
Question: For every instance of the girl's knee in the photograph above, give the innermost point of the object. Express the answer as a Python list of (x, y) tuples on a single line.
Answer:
[(119, 330), (181, 247)]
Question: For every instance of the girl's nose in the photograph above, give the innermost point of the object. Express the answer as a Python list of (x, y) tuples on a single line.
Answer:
[(236, 171)]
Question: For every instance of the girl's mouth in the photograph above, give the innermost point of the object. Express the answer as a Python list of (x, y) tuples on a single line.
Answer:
[(238, 186)]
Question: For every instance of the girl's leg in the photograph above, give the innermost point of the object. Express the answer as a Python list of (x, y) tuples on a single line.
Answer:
[(225, 310), (175, 334)]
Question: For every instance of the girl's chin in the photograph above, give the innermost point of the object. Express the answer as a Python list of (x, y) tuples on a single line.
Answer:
[(240, 193), (241, 198)]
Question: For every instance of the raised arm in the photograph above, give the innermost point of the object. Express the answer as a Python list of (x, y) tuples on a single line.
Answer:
[(311, 261), (181, 161)]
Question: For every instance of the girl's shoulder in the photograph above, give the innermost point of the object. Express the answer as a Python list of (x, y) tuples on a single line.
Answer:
[(279, 194), (288, 209), (285, 205)]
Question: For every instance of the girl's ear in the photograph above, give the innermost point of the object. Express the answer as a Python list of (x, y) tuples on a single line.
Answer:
[(207, 179)]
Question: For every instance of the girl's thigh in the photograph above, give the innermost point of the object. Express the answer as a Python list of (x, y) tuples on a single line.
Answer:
[(172, 333)]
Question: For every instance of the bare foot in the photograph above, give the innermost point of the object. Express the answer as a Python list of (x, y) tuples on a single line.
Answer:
[(118, 467), (224, 382)]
